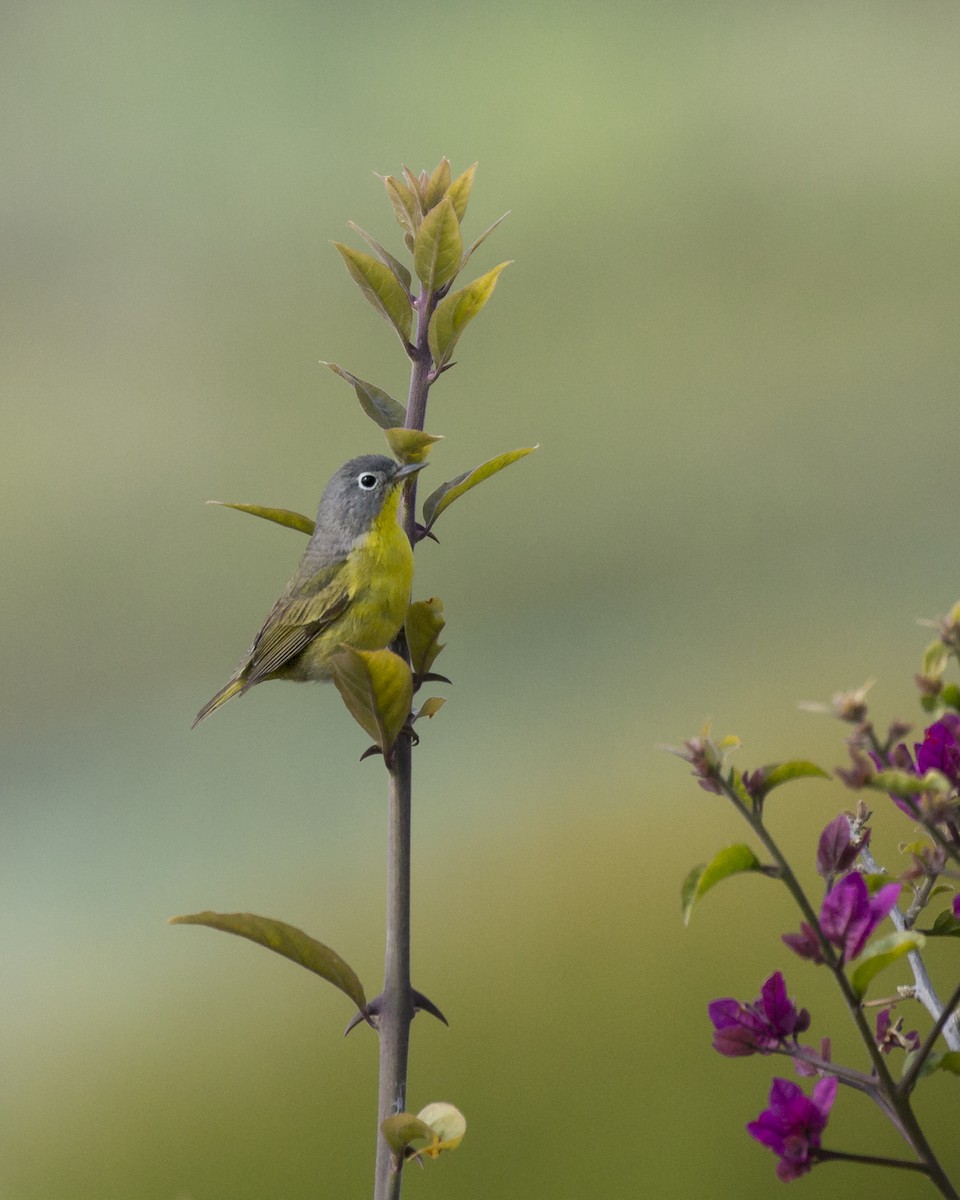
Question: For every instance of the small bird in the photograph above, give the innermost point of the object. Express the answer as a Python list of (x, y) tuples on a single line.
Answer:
[(351, 586)]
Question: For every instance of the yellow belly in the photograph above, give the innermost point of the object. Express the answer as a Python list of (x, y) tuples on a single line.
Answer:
[(379, 571)]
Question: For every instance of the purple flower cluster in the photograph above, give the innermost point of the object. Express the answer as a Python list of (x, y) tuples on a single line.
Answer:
[(792, 1125), (758, 1028), (939, 751), (848, 916), (940, 748)]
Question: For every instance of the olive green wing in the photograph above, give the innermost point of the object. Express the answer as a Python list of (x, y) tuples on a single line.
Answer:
[(306, 609)]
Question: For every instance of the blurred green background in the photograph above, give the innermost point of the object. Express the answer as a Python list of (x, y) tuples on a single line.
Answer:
[(732, 327)]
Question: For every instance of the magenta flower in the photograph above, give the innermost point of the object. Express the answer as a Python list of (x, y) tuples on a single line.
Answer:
[(758, 1028), (792, 1125), (848, 916), (836, 850), (940, 748), (890, 1035)]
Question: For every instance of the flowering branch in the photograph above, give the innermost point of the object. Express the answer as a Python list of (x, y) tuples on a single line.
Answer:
[(925, 785)]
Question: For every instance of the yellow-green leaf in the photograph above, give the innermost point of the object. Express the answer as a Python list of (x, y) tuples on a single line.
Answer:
[(454, 312), (481, 239), (404, 278), (417, 185), (403, 1128), (459, 191), (446, 493), (430, 707), (437, 184), (880, 955), (410, 445), (785, 772), (381, 287), (288, 941), (377, 688), (423, 628), (280, 516), (732, 861), (376, 403), (406, 206), (439, 247)]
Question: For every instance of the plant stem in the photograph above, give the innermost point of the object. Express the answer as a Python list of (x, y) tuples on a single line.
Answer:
[(397, 1010), (397, 1007), (872, 1160), (894, 1103), (947, 1014), (948, 1022)]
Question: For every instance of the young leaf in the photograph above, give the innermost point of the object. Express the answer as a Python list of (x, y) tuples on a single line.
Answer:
[(945, 925), (423, 628), (481, 239), (939, 1060), (437, 184), (289, 941), (379, 407), (455, 311), (381, 288), (439, 247), (459, 192), (406, 206), (404, 278), (377, 688), (880, 955), (446, 493), (784, 772), (410, 445), (418, 186), (732, 861), (403, 1128), (430, 707), (280, 516)]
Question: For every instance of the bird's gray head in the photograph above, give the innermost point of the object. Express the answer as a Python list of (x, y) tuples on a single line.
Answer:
[(354, 496)]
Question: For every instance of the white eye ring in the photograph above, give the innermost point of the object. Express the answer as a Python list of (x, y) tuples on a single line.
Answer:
[(367, 481)]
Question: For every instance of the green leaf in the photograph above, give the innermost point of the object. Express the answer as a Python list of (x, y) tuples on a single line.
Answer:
[(404, 278), (418, 186), (459, 191), (481, 239), (938, 1060), (430, 707), (950, 696), (454, 312), (410, 445), (880, 955), (288, 941), (439, 247), (424, 625), (280, 516), (379, 407), (446, 493), (733, 861), (381, 287), (945, 925), (377, 688), (437, 184), (403, 1128), (739, 788), (785, 772), (900, 783), (406, 205)]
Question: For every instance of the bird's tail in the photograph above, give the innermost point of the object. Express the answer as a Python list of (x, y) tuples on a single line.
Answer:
[(227, 692)]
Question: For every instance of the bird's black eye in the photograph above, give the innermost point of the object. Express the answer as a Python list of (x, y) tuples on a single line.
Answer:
[(367, 481)]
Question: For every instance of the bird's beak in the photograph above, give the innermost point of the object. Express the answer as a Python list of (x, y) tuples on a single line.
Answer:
[(409, 469)]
